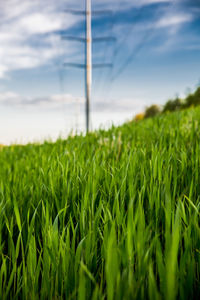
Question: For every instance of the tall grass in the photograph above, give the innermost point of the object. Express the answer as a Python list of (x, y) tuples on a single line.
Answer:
[(114, 215)]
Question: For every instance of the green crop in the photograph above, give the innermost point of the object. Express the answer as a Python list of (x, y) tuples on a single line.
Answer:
[(113, 215)]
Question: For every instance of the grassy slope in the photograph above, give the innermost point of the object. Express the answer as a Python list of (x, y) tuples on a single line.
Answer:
[(115, 214)]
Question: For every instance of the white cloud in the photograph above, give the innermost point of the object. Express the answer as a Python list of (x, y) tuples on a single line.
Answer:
[(114, 4), (173, 20), (44, 22), (120, 105), (13, 99), (27, 36), (3, 70), (148, 2), (10, 98)]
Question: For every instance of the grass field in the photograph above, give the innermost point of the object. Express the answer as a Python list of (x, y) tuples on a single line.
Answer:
[(114, 215)]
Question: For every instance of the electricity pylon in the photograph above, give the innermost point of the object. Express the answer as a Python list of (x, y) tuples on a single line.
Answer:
[(88, 66), (88, 55)]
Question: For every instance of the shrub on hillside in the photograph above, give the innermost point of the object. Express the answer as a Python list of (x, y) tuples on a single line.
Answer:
[(193, 99), (173, 105), (152, 111)]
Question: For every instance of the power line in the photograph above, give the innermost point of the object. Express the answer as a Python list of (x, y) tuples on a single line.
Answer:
[(147, 37), (99, 80), (103, 82)]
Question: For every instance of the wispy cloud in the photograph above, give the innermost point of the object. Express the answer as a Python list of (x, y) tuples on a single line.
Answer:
[(174, 20), (23, 36), (13, 99), (120, 105), (54, 101)]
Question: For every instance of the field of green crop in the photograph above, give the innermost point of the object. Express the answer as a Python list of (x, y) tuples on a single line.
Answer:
[(114, 215)]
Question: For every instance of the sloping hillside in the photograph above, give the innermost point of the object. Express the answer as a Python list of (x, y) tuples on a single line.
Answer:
[(114, 215)]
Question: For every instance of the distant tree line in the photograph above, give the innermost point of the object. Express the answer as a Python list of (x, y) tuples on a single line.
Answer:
[(192, 100)]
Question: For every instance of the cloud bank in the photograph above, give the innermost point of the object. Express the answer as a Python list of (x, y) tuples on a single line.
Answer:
[(54, 101)]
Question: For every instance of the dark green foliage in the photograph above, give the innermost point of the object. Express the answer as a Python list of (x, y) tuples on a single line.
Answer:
[(193, 99), (173, 105), (152, 111), (113, 215)]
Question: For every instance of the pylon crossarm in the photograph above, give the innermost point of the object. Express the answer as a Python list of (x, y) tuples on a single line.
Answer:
[(102, 12), (95, 13), (83, 40), (73, 38), (75, 12), (74, 65), (96, 66), (104, 39)]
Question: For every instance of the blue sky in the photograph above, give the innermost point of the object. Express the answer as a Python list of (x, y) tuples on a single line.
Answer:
[(156, 56)]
